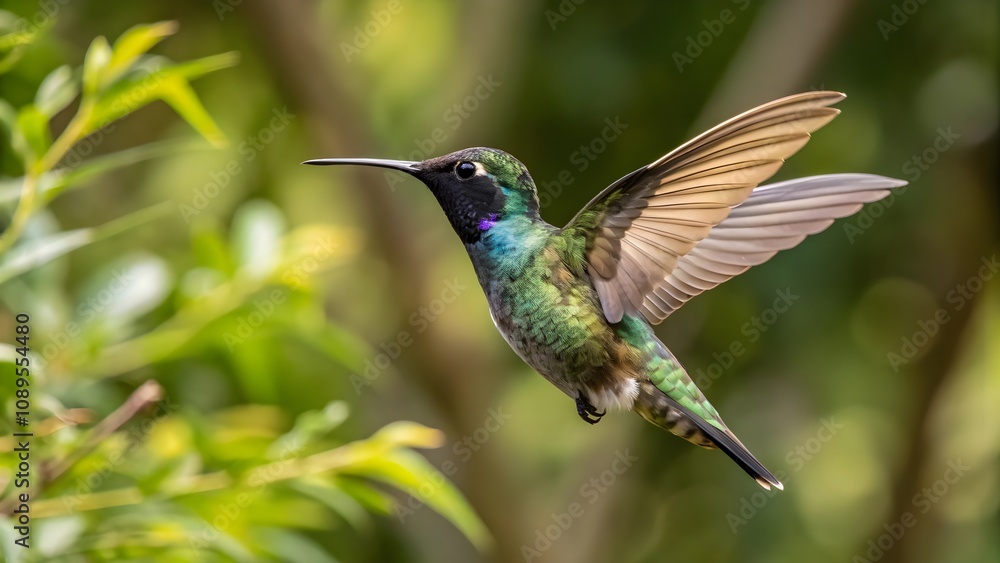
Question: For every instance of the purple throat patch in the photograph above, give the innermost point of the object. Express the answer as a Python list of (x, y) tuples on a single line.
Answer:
[(486, 223)]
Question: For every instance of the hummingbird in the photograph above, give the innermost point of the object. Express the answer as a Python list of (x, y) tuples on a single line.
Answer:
[(578, 303)]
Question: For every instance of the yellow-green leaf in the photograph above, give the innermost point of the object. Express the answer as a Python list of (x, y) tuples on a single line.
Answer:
[(413, 474), (168, 83), (178, 93), (94, 65), (135, 42)]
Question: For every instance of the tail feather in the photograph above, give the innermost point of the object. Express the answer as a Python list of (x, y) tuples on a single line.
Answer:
[(671, 400), (662, 410), (728, 443)]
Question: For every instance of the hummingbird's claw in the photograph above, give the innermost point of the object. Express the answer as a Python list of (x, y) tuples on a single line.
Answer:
[(587, 411)]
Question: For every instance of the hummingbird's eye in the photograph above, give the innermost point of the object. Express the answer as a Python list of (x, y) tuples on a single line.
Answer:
[(465, 170)]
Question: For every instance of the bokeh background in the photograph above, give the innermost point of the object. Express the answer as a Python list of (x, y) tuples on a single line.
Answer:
[(235, 357)]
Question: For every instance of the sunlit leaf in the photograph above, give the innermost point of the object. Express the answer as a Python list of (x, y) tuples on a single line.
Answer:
[(166, 82), (95, 65), (179, 95), (134, 42), (56, 91), (315, 424), (413, 474)]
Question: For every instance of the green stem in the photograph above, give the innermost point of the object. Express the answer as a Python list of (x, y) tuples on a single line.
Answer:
[(70, 136), (22, 212)]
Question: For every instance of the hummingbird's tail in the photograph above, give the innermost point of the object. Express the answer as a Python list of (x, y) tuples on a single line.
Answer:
[(670, 400), (658, 408)]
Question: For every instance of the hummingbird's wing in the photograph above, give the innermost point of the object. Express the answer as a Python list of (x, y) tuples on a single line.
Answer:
[(775, 217), (644, 233)]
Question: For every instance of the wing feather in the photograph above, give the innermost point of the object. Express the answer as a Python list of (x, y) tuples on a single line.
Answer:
[(696, 217)]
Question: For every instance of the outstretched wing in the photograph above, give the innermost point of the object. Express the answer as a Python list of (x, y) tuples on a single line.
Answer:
[(638, 229), (775, 217)]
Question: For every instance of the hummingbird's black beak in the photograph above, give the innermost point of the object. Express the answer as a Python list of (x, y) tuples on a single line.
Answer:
[(408, 166)]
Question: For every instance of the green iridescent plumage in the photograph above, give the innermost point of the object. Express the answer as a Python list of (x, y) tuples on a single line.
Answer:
[(577, 303)]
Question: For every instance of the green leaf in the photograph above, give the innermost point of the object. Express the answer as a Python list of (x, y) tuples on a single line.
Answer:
[(168, 83), (33, 138), (179, 94), (375, 500), (206, 65), (56, 91), (337, 500), (32, 254), (134, 42), (94, 65), (412, 473)]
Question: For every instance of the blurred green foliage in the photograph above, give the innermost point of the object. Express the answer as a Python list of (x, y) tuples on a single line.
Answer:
[(179, 485), (224, 342)]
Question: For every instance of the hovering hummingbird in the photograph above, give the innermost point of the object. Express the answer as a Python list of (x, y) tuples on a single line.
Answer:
[(577, 303)]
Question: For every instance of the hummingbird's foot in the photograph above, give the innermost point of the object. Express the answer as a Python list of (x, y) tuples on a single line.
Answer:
[(587, 411)]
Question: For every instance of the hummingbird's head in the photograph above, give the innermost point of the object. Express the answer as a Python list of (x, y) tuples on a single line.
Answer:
[(476, 187)]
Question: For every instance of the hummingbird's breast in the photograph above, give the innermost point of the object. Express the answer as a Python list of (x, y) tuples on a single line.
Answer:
[(551, 317)]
